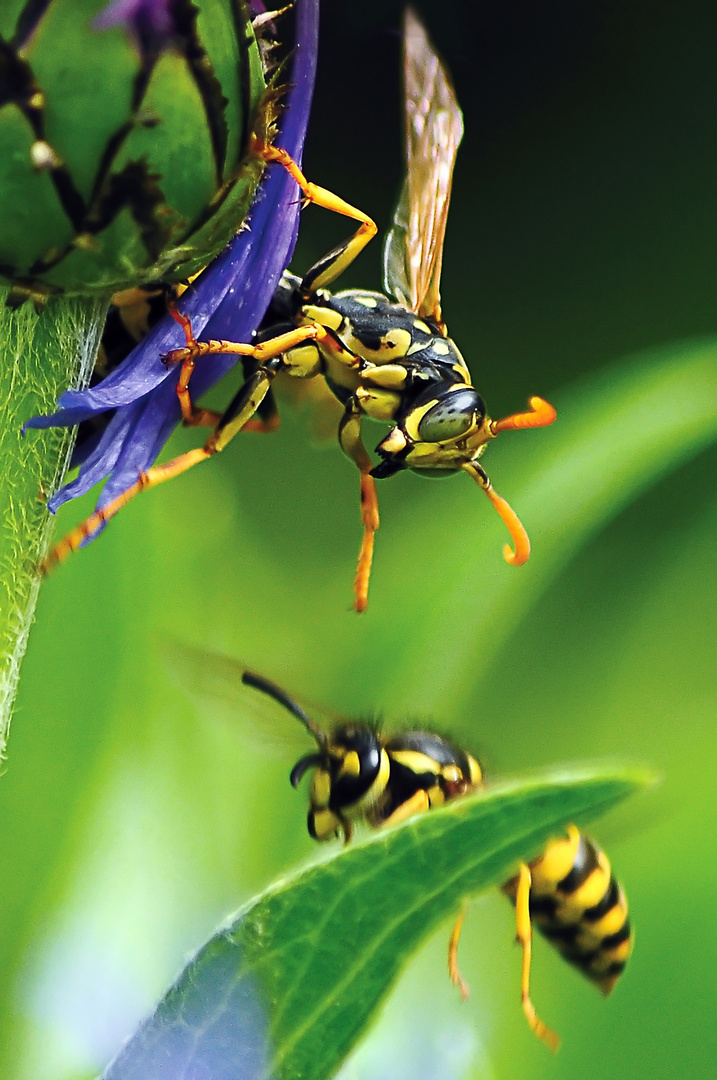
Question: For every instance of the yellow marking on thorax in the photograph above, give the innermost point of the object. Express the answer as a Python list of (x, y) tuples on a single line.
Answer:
[(390, 376), (416, 761), (394, 345), (324, 315)]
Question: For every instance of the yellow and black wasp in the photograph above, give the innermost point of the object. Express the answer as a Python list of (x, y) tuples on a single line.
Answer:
[(384, 357), (362, 775)]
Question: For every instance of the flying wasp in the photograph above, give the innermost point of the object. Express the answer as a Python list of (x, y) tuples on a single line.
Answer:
[(384, 357), (361, 775)]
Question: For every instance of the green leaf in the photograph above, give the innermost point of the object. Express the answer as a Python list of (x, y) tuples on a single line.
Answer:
[(40, 355), (288, 987)]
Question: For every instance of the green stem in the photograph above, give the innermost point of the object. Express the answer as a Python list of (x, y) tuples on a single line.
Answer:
[(40, 356)]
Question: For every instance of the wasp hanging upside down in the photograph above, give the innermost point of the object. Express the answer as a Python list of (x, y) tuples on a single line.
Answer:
[(363, 775), (385, 359)]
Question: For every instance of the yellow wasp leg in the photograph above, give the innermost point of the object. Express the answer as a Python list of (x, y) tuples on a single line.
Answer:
[(507, 515), (541, 415), (333, 264), (453, 969), (210, 418), (524, 934), (417, 803), (193, 415), (370, 519), (240, 410), (352, 445)]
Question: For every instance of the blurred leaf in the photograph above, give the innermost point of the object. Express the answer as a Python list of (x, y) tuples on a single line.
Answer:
[(288, 987), (616, 435)]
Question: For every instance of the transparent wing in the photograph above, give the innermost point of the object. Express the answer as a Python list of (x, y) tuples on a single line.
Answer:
[(413, 252), (214, 682)]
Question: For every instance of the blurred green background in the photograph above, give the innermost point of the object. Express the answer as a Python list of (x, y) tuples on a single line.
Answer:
[(582, 231)]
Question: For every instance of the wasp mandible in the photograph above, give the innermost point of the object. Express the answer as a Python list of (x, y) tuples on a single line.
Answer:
[(385, 357)]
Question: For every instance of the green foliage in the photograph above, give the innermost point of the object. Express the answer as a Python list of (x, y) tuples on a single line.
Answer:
[(288, 987)]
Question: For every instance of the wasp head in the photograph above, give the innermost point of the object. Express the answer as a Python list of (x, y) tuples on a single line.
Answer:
[(444, 427), (351, 772)]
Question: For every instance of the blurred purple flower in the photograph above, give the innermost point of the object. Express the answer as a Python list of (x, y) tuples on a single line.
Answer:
[(141, 18), (227, 301), (148, 22)]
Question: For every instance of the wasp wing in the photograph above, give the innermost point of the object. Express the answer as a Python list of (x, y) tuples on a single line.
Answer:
[(413, 252), (215, 683)]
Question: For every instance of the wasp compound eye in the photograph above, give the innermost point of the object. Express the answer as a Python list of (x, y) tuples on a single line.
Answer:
[(453, 415)]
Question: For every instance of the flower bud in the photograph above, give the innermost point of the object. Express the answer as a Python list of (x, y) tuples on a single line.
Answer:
[(123, 135)]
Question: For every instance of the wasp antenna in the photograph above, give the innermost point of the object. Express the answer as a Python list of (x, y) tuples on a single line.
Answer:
[(541, 414), (258, 682), (520, 538)]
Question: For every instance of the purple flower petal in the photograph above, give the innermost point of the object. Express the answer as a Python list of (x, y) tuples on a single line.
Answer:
[(228, 300), (144, 20)]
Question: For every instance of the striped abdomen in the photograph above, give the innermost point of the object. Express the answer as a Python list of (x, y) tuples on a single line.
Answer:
[(577, 904)]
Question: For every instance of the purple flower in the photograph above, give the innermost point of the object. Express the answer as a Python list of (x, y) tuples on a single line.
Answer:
[(142, 19), (227, 301)]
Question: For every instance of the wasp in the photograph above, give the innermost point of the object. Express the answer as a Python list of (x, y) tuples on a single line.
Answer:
[(362, 775), (385, 357)]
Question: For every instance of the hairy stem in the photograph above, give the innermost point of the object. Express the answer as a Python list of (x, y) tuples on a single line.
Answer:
[(40, 356)]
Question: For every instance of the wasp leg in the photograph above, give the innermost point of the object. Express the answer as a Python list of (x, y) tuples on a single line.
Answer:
[(542, 414), (332, 265), (453, 969), (193, 415), (268, 418), (240, 410), (507, 515), (524, 934), (416, 804), (352, 445)]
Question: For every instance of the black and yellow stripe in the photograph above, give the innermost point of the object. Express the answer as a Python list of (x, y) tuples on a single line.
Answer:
[(579, 906)]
